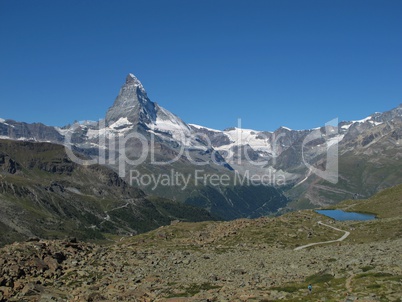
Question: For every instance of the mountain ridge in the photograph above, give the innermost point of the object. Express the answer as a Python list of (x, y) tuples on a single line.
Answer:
[(287, 157)]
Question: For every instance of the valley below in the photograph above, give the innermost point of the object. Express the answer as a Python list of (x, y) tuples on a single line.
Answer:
[(240, 260)]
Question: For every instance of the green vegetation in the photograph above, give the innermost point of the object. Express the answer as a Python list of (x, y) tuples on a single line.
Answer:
[(377, 283), (193, 289), (385, 204), (288, 288), (367, 268), (45, 194), (319, 278)]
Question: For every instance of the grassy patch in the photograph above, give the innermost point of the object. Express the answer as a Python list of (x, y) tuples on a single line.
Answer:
[(374, 275), (385, 204), (367, 268), (378, 283), (193, 289), (287, 289), (374, 286), (319, 278)]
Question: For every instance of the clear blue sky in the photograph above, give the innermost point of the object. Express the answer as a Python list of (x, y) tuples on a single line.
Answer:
[(270, 62)]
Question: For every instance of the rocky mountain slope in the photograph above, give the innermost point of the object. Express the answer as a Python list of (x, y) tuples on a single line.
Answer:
[(137, 134), (369, 156), (241, 260), (43, 193), (370, 159)]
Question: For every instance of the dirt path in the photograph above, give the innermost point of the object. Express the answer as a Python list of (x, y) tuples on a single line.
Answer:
[(325, 242), (349, 282)]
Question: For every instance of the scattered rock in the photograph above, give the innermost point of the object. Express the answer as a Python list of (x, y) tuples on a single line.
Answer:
[(33, 239), (161, 269)]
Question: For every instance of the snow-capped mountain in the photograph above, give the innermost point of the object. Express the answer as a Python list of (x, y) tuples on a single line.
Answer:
[(133, 124), (261, 146), (281, 154), (133, 107), (133, 111)]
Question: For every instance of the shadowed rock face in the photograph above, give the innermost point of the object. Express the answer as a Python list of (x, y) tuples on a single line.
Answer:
[(8, 165), (37, 131)]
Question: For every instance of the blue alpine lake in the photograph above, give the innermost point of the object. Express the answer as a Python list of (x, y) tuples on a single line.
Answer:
[(342, 215)]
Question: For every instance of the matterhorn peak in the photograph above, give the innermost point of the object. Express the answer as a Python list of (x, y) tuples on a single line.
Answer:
[(132, 103), (132, 80)]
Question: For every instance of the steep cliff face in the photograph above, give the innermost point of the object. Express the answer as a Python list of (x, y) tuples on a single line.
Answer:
[(132, 104), (10, 129)]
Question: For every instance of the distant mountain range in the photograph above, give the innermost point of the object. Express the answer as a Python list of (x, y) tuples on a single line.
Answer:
[(235, 172)]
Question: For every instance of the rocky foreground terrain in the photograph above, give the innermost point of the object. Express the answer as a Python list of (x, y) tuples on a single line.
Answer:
[(242, 260)]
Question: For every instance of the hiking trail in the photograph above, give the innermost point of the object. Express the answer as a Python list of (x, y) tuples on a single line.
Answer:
[(344, 236)]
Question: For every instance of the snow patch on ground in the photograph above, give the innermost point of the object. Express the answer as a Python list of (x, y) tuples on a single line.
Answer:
[(335, 140), (177, 131), (173, 126), (123, 121), (202, 127), (3, 121), (346, 127), (376, 123), (367, 119), (62, 131), (91, 133), (363, 120), (257, 140)]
